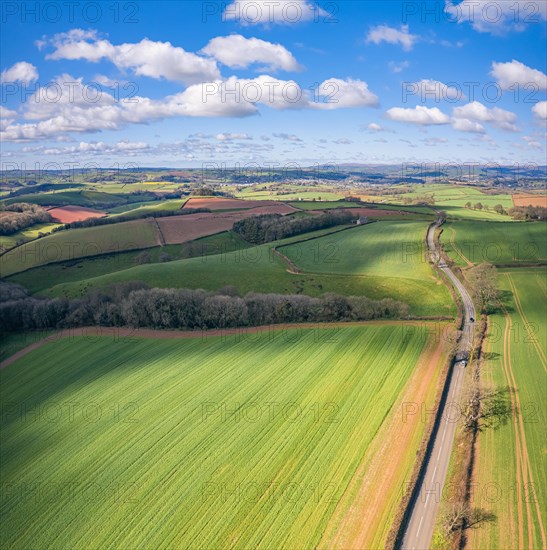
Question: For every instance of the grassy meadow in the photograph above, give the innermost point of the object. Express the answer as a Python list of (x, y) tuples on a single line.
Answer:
[(391, 251)]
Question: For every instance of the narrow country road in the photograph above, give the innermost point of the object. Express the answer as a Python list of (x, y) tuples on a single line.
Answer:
[(425, 507)]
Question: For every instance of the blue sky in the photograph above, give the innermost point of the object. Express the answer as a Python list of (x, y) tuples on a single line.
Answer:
[(273, 81)]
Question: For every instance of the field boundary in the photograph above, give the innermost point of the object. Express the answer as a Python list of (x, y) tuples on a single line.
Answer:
[(161, 238), (293, 268)]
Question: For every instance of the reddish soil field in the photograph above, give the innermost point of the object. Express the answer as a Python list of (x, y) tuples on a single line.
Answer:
[(179, 229), (69, 214), (527, 200), (215, 203)]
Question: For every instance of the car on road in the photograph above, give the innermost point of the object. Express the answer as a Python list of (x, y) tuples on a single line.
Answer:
[(472, 319)]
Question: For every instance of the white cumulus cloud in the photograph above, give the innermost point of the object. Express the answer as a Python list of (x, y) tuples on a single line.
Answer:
[(540, 110), (424, 116), (391, 35), (477, 112), (532, 142), (144, 58), (267, 12), (436, 90), (231, 136), (466, 125), (7, 117), (373, 127), (20, 72), (336, 93), (515, 72), (497, 17), (238, 52)]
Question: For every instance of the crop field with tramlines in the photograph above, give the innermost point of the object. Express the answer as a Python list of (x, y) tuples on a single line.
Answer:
[(155, 442), (473, 242), (511, 469)]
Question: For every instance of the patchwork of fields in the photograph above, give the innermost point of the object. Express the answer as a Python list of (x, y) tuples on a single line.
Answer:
[(452, 199), (86, 418), (173, 443), (41, 278), (383, 274), (124, 236)]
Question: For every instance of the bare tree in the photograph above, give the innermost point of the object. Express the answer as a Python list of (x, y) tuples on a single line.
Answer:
[(484, 280)]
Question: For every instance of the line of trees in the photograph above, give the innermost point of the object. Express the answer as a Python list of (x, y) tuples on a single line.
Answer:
[(20, 215), (271, 227), (134, 304), (528, 213), (483, 279)]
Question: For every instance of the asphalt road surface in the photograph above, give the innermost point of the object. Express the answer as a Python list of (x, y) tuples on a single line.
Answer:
[(419, 530)]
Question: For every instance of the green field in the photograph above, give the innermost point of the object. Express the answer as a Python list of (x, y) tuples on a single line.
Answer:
[(44, 277), (130, 206), (12, 342), (151, 208), (310, 194), (27, 234), (393, 252), (512, 457), (136, 442), (452, 199), (85, 197), (459, 195), (323, 205), (495, 242), (77, 243)]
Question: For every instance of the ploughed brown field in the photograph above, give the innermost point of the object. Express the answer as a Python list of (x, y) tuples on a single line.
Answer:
[(533, 200), (219, 203), (179, 229), (69, 214)]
